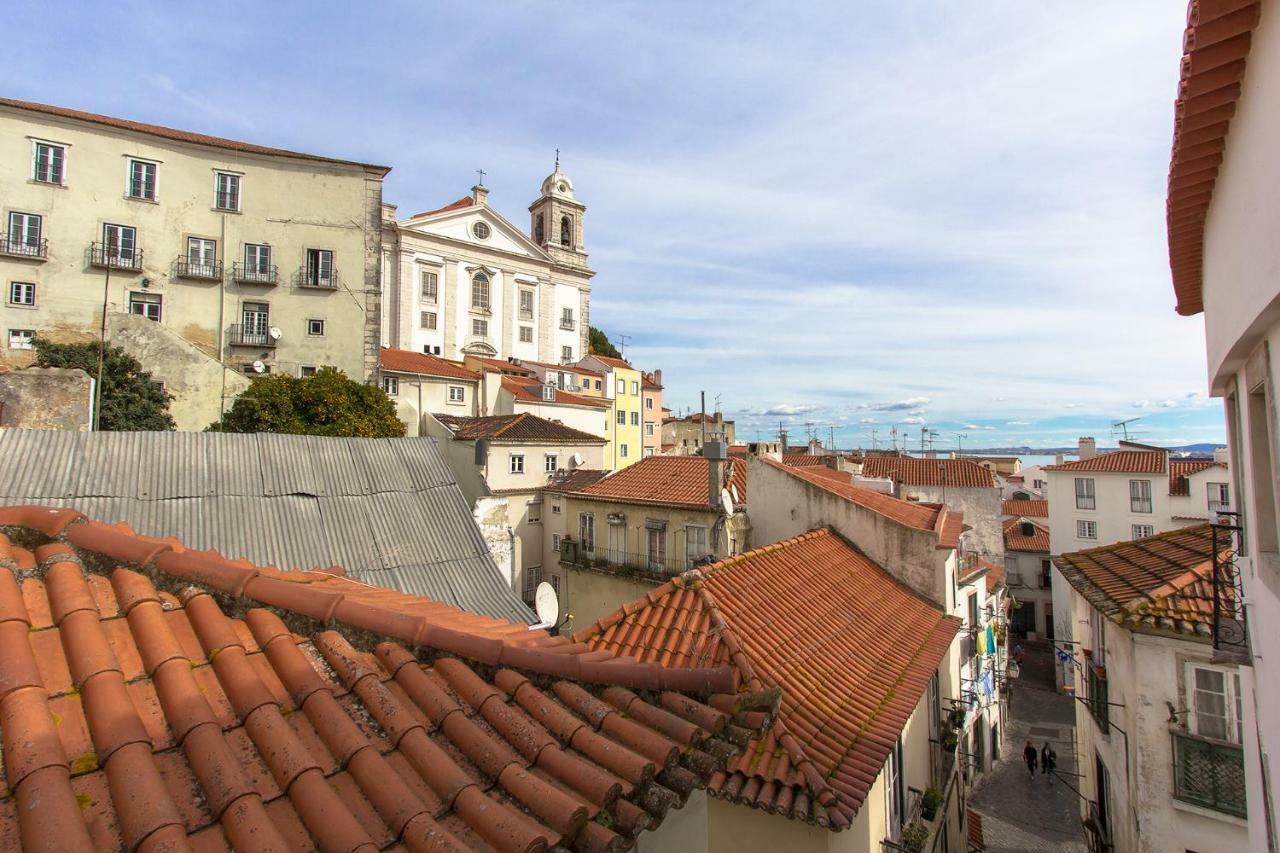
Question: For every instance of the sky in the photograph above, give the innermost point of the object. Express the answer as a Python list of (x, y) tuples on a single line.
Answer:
[(860, 217)]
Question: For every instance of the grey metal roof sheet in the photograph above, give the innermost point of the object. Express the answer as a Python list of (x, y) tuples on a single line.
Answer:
[(388, 510)]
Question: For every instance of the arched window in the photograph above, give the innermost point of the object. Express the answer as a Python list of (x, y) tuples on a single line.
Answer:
[(539, 230), (480, 291), (566, 231)]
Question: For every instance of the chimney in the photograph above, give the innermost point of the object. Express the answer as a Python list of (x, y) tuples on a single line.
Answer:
[(480, 195), (1222, 454), (715, 481), (1087, 448), (1057, 459)]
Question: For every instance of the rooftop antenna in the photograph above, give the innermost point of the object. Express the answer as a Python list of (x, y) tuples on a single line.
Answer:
[(960, 444), (873, 439), (893, 438), (1123, 427), (622, 344)]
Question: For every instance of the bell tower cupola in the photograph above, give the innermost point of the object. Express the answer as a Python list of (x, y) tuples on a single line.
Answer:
[(556, 224)]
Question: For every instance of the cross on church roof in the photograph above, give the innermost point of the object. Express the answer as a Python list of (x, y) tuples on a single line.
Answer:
[(481, 173)]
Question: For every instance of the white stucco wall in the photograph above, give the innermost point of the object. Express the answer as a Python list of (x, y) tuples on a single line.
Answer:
[(981, 508)]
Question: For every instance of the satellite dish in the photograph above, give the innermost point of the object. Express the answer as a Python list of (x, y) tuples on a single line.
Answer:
[(259, 367), (726, 501), (546, 604), (275, 333), (576, 459)]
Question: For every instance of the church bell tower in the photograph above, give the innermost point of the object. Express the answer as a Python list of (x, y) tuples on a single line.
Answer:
[(556, 220)]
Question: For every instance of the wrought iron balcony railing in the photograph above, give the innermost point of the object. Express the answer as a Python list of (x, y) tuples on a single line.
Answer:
[(1230, 629), (185, 267), (250, 337), (1209, 773), (308, 277), (1096, 695), (104, 255), (19, 248), (658, 567), (254, 273), (568, 324)]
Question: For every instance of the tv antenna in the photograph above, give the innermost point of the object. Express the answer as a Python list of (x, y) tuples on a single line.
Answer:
[(1123, 427), (622, 344)]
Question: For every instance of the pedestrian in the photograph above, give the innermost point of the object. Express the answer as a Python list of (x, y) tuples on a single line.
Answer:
[(1048, 761), (1029, 756), (1017, 653)]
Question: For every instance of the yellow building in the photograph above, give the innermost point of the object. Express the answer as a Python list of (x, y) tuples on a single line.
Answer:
[(217, 260), (623, 386)]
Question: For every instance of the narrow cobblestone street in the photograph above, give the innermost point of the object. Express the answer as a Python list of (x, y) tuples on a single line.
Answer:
[(1020, 813)]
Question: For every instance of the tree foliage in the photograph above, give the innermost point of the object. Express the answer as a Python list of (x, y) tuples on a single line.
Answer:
[(131, 399), (328, 403), (600, 343)]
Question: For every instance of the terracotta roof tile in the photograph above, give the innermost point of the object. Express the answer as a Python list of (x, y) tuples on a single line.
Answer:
[(519, 427), (1016, 539), (1181, 469), (667, 480), (461, 204), (1025, 509), (915, 471), (921, 516), (572, 481), (851, 648), (179, 135), (531, 392), (1118, 461), (1163, 581), (807, 460), (1214, 50), (153, 694), (612, 362), (407, 361)]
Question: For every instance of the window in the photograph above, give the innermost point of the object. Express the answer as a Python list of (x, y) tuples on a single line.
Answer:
[(149, 305), (566, 354), (622, 417), (142, 180), (551, 463), (120, 241), (202, 256), (1084, 493), (480, 328), (306, 371), (587, 531), (635, 419), (315, 327), (1219, 497), (648, 428), (566, 231), (532, 577), (457, 394), (1139, 496), (657, 547), (549, 393), (257, 258), (391, 384), (1098, 637), (622, 386), (622, 451), (526, 334), (481, 230), (1046, 574), (555, 509), (480, 292), (24, 232), (648, 451), (226, 195), (429, 287), (50, 162), (526, 304), (515, 463), (21, 338), (1142, 531), (566, 318), (1214, 703), (635, 388), (427, 320), (648, 402), (695, 544), (599, 384), (895, 792), (555, 537), (22, 293), (319, 270), (256, 329), (1086, 530)]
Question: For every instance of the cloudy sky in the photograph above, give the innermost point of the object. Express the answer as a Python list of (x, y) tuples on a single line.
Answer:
[(909, 215)]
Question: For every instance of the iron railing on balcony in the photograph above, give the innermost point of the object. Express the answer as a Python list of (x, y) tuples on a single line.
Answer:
[(654, 566), (107, 255), (1096, 694), (185, 267), (1230, 629), (321, 280), (250, 336), (1209, 773), (568, 323), (526, 314), (18, 247), (1097, 833), (254, 273)]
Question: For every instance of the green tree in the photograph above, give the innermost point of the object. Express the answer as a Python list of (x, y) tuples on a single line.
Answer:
[(328, 403), (131, 399), (600, 343)]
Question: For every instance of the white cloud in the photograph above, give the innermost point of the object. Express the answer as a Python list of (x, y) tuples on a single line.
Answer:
[(867, 421), (914, 421), (1018, 423), (788, 409), (970, 427), (897, 405)]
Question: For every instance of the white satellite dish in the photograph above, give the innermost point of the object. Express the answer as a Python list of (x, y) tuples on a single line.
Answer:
[(275, 333), (726, 501), (576, 459), (259, 367), (546, 604)]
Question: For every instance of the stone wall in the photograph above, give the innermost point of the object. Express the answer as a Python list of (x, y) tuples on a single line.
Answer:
[(46, 398)]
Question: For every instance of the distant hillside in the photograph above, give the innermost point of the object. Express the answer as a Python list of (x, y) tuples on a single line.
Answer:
[(1202, 448)]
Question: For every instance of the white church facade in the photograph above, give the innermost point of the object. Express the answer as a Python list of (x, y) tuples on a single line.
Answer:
[(463, 280)]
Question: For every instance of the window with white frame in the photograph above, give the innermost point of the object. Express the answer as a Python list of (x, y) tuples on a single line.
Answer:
[(391, 384), (1219, 497), (1098, 637), (895, 792), (480, 328), (457, 394), (648, 402), (319, 269), (648, 451), (550, 463), (555, 539), (566, 318), (587, 531), (1086, 529), (226, 191), (21, 338), (526, 304), (1140, 496), (480, 292), (526, 334), (549, 393), (50, 163), (22, 293), (202, 256), (427, 320), (635, 419), (622, 451), (149, 305), (142, 179), (428, 287), (622, 386), (257, 258), (1142, 531), (532, 577), (555, 507), (24, 232), (119, 242), (622, 417), (648, 428), (1085, 498), (635, 388), (695, 544), (516, 463), (566, 354), (306, 371), (1214, 703), (315, 327)]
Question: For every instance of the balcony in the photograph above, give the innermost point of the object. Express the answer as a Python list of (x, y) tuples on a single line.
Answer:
[(526, 316), (1096, 695), (316, 279), (37, 250), (657, 568), (250, 337), (924, 814), (568, 324), (185, 267), (1208, 773), (1230, 628), (254, 274), (105, 256)]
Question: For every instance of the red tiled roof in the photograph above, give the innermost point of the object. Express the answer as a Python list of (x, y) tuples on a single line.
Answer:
[(1025, 509), (649, 382), (571, 481), (407, 361), (531, 392), (180, 135), (806, 460), (852, 648), (667, 481), (465, 201), (915, 471), (921, 516), (830, 474), (506, 368), (1214, 49), (995, 574), (1118, 461), (1016, 540), (562, 368), (739, 450), (611, 361), (521, 427), (1164, 581), (154, 698), (1181, 469)]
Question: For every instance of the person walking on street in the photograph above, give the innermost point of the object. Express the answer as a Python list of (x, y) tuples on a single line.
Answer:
[(1029, 756), (1048, 761)]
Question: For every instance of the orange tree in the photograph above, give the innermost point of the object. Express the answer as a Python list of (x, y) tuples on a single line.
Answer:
[(328, 403)]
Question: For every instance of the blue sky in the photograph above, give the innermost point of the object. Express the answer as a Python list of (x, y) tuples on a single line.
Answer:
[(890, 216)]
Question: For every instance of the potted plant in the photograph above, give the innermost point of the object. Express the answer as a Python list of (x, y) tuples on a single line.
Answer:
[(929, 803), (950, 739), (914, 836)]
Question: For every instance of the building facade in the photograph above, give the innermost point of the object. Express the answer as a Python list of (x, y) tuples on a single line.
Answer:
[(421, 384), (651, 412), (246, 259), (622, 387)]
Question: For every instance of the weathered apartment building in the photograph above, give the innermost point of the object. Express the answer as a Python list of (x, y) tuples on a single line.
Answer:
[(215, 260)]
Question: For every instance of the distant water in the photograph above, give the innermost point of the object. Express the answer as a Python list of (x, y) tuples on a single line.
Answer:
[(1028, 461)]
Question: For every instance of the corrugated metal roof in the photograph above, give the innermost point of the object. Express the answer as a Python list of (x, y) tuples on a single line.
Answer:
[(388, 510)]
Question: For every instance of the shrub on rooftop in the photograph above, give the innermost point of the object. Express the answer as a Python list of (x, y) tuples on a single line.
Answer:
[(131, 399), (328, 403)]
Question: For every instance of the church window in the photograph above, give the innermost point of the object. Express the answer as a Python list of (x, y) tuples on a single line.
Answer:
[(480, 291), (566, 231), (481, 230), (539, 230)]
